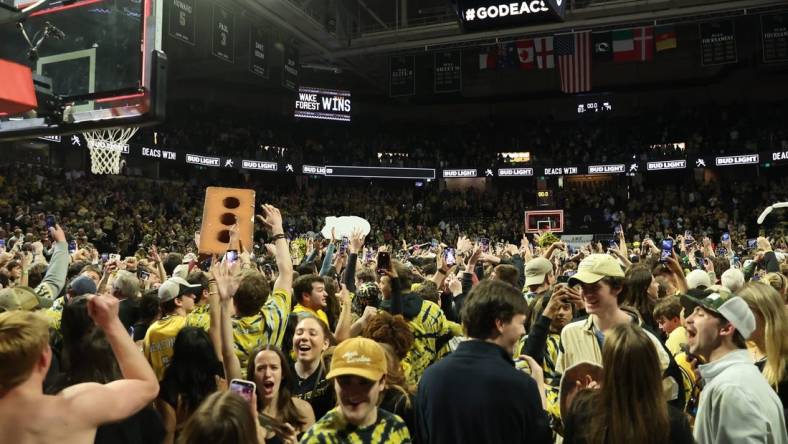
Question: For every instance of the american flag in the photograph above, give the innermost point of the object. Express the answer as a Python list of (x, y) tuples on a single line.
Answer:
[(574, 61)]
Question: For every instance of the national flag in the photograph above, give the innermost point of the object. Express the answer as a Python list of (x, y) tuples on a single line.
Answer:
[(487, 58), (526, 53), (507, 55), (574, 61), (636, 44), (544, 53), (665, 37), (603, 46)]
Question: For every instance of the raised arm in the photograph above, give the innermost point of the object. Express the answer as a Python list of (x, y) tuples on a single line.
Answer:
[(228, 278), (97, 404), (354, 248), (55, 277), (272, 219)]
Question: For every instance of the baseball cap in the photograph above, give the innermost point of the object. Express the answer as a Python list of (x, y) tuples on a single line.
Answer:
[(360, 357), (536, 269), (595, 267), (729, 306), (21, 298), (82, 285), (698, 279), (176, 286)]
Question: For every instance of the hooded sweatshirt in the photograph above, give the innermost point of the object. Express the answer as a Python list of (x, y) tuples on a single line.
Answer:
[(737, 406)]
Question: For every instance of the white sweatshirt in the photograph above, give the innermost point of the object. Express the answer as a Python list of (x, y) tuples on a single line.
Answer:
[(737, 405)]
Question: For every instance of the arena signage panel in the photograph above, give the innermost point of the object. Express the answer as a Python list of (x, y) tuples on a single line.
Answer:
[(159, 153), (313, 169), (380, 172), (666, 165), (736, 160), (560, 171), (607, 169), (477, 15), (323, 104), (259, 165), (203, 160), (515, 172), (467, 172), (780, 156)]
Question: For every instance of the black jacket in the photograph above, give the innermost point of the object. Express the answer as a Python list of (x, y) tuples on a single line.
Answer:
[(475, 395)]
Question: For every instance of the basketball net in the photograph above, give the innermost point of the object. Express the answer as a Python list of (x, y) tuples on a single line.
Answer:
[(105, 147)]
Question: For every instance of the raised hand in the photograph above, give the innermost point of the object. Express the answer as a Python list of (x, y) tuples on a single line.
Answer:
[(356, 241), (57, 233), (228, 278), (103, 309), (271, 218)]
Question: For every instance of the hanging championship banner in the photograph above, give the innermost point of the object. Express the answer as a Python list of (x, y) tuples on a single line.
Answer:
[(717, 43), (290, 67), (774, 34), (402, 76), (448, 71), (223, 34), (259, 44), (182, 24)]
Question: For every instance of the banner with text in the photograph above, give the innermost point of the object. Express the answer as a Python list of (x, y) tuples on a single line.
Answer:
[(290, 67), (259, 49), (774, 34), (223, 44), (402, 76), (448, 71), (718, 43), (182, 24)]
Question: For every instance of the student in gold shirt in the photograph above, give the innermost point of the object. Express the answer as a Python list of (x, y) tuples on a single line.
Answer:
[(176, 300), (310, 291)]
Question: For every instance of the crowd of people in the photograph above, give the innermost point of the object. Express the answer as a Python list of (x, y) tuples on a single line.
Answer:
[(677, 131), (116, 329)]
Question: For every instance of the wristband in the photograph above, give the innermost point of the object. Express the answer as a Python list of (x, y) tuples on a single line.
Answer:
[(278, 236)]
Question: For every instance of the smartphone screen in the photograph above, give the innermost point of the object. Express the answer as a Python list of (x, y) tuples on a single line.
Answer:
[(368, 256), (231, 256), (343, 245), (384, 260), (726, 236), (50, 221), (449, 256), (2, 244), (751, 243), (485, 244), (104, 257), (72, 246), (144, 275), (617, 230), (434, 244), (667, 249), (244, 388)]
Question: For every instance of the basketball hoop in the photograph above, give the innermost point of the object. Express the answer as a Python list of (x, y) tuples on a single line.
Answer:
[(105, 147)]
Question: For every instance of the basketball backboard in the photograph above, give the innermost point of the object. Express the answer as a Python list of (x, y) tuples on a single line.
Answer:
[(100, 60), (539, 221)]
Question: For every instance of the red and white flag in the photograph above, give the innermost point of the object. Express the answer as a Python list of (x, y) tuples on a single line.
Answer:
[(544, 52), (526, 53), (574, 61)]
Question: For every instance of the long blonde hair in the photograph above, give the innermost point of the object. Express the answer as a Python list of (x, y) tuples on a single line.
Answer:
[(631, 405), (766, 302)]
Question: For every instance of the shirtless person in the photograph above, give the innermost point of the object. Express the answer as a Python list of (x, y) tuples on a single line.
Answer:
[(28, 416)]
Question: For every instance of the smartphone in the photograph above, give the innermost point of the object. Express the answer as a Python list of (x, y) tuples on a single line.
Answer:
[(667, 250), (726, 236), (231, 256), (434, 244), (72, 246), (343, 245), (449, 257), (104, 257), (50, 221), (612, 244), (114, 257), (368, 256), (384, 260), (144, 275), (268, 269), (563, 279), (485, 243), (2, 244), (617, 230), (751, 243), (243, 387)]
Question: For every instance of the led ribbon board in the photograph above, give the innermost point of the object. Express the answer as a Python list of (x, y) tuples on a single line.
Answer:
[(478, 15)]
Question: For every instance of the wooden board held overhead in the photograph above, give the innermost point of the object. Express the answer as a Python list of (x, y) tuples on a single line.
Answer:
[(225, 207)]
